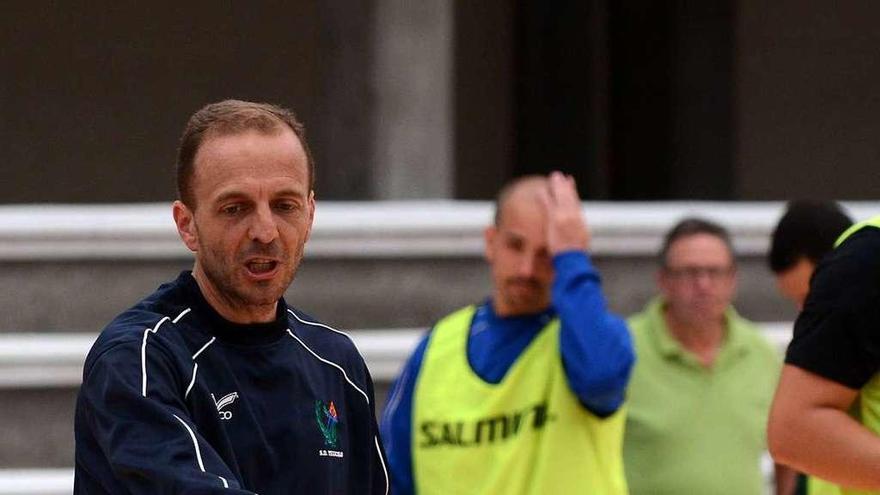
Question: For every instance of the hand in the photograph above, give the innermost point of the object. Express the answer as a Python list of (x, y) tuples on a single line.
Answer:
[(566, 228)]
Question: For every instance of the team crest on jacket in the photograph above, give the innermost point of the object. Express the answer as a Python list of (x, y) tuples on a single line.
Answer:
[(328, 423), (224, 403)]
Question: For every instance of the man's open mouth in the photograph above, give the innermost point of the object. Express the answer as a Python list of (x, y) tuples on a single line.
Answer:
[(261, 267)]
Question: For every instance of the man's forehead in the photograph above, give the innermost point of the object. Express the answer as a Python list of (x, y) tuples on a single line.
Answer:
[(253, 148), (244, 163), (700, 246), (218, 143), (523, 217)]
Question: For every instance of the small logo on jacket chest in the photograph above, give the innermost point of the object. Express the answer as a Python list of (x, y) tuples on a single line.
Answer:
[(224, 403), (327, 419)]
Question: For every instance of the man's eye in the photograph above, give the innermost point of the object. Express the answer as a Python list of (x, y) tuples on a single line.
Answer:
[(231, 209), (285, 206)]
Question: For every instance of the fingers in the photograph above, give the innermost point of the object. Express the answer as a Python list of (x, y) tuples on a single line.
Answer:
[(545, 198), (563, 190), (566, 226)]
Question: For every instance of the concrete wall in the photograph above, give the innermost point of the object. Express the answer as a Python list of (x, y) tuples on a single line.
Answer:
[(412, 81), (425, 100), (94, 97), (808, 110)]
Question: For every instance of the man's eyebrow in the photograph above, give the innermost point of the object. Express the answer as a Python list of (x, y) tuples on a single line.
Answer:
[(238, 194), (288, 191), (229, 194), (516, 236)]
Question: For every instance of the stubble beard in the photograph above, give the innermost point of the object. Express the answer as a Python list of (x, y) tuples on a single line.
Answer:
[(228, 280), (521, 301)]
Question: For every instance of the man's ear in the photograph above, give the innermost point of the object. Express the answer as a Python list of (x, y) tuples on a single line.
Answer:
[(489, 235), (186, 225), (311, 214)]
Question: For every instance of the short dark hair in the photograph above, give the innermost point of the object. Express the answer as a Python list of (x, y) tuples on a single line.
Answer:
[(232, 117), (808, 230), (693, 226)]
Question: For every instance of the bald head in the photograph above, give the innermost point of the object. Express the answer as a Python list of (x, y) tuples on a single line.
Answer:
[(523, 190)]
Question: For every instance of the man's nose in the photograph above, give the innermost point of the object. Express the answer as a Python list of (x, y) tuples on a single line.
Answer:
[(527, 265), (263, 227), (703, 279)]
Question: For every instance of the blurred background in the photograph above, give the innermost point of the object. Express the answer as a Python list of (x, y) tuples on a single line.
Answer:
[(724, 99), (416, 113)]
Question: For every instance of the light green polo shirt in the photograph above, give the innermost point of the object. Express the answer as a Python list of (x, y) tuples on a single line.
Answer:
[(697, 430)]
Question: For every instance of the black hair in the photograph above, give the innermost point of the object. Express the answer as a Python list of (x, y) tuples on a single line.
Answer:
[(808, 230)]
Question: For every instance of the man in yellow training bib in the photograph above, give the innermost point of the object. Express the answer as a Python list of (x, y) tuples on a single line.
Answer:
[(521, 393), (825, 419), (804, 235)]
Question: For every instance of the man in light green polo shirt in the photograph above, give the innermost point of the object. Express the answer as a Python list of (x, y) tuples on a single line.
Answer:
[(701, 389)]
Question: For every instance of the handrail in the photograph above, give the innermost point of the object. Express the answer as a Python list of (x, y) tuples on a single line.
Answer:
[(38, 360), (379, 229), (36, 481)]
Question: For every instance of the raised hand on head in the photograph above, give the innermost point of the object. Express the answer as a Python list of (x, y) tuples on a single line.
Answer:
[(566, 227)]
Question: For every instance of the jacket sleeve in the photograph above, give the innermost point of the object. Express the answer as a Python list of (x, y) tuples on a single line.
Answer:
[(396, 423), (381, 478), (133, 404), (596, 347)]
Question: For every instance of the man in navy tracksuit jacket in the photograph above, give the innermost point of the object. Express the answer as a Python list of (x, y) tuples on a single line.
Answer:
[(213, 384)]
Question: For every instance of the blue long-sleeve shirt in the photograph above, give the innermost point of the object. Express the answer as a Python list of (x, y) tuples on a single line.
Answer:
[(596, 348)]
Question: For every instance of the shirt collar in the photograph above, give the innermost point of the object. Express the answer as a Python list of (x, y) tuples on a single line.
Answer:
[(225, 330), (734, 344), (544, 317)]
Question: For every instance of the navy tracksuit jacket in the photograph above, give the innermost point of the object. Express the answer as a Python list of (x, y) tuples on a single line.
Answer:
[(175, 399)]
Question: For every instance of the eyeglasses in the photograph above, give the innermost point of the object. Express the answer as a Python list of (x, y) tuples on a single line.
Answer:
[(713, 273)]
